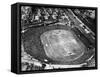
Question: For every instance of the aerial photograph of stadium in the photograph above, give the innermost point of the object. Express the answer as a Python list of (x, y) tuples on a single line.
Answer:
[(57, 38)]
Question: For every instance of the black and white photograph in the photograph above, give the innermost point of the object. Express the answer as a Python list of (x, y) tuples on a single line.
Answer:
[(54, 37), (49, 38)]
